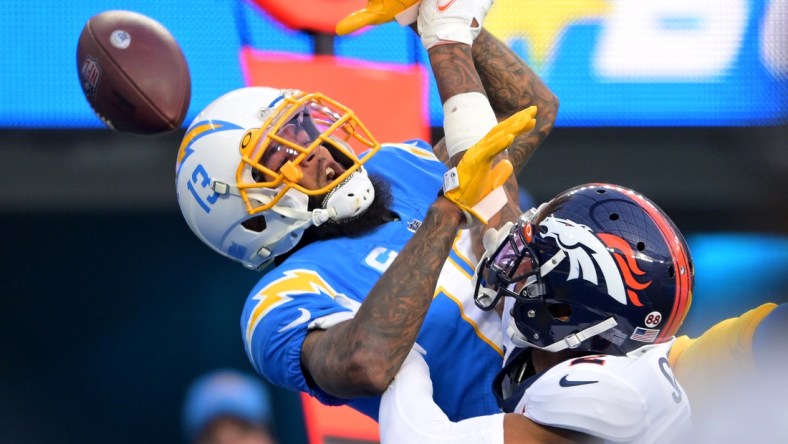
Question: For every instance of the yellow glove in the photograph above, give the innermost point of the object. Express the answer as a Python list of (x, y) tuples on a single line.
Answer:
[(474, 184), (377, 12)]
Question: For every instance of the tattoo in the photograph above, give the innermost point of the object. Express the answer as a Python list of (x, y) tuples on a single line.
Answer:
[(512, 86), (454, 70), (455, 73), (508, 82), (372, 346), (360, 357)]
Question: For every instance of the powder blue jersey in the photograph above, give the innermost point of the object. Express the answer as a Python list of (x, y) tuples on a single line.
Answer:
[(325, 282)]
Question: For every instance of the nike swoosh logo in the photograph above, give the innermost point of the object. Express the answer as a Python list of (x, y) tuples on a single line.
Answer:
[(445, 6), (304, 317), (567, 383)]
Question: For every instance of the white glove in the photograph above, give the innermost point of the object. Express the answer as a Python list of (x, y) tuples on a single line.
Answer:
[(451, 21)]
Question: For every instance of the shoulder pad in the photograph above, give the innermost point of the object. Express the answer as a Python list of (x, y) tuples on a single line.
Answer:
[(586, 397)]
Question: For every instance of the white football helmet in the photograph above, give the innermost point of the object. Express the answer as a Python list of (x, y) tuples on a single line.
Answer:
[(238, 173)]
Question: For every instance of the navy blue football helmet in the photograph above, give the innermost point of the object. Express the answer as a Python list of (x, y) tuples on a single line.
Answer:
[(599, 268)]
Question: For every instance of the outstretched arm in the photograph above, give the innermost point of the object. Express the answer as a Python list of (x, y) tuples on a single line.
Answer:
[(732, 351), (510, 85), (508, 81), (733, 374)]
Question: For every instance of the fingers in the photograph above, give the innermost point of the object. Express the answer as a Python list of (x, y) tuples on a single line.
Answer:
[(490, 239), (500, 173), (491, 146), (377, 12), (521, 121), (358, 20), (503, 134)]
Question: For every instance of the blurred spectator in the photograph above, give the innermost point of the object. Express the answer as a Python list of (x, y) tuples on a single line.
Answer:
[(228, 407)]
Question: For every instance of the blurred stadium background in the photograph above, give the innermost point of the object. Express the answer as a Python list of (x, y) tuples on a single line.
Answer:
[(110, 306)]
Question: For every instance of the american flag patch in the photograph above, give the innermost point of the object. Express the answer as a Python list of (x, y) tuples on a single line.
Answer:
[(644, 334)]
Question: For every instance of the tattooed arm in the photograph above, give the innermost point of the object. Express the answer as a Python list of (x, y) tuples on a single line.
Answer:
[(360, 357), (508, 82), (510, 86)]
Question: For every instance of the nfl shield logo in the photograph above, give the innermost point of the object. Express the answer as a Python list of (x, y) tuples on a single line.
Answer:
[(89, 75)]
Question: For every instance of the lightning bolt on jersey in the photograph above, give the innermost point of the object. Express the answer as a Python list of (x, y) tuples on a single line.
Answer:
[(325, 282), (631, 398)]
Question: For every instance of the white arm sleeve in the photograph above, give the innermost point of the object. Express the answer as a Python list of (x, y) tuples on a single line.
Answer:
[(408, 413)]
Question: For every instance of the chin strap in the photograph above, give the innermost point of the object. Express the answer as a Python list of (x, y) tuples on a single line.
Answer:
[(571, 341), (292, 213)]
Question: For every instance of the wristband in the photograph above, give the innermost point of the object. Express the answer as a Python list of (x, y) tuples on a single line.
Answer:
[(467, 117)]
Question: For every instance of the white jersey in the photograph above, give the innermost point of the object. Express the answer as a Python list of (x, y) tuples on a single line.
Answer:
[(617, 398)]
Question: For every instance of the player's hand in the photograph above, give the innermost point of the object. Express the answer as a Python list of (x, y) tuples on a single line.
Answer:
[(377, 12), (451, 21), (471, 184)]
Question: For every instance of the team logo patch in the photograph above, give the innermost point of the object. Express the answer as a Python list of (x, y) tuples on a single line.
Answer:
[(644, 334), (89, 76), (599, 259)]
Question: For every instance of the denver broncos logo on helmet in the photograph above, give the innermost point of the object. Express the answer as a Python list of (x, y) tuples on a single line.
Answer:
[(578, 240), (627, 264)]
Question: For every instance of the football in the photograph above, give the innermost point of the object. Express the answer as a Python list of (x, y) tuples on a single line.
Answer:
[(133, 73)]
